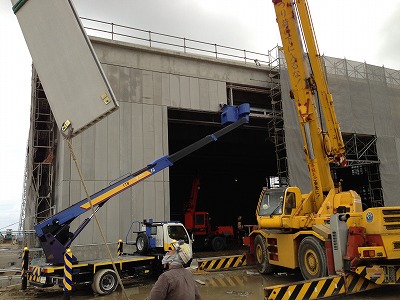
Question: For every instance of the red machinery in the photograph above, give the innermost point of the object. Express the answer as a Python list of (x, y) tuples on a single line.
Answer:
[(199, 224)]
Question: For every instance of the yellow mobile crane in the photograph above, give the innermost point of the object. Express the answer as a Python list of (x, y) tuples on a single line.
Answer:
[(324, 232)]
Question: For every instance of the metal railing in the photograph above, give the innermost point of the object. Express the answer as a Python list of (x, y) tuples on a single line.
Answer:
[(150, 38), (362, 70)]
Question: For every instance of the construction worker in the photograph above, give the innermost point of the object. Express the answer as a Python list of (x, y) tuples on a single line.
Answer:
[(177, 283), (240, 229)]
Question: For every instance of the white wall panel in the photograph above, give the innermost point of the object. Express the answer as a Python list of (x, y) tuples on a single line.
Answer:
[(174, 90), (184, 91), (63, 156), (149, 199), (137, 137), (76, 143), (125, 88), (88, 153), (194, 93), (213, 95), (204, 94), (136, 85), (101, 151), (148, 93), (63, 195), (125, 138), (159, 201), (157, 88), (222, 96), (165, 90)]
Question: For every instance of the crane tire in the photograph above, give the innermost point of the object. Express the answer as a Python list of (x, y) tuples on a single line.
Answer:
[(104, 282), (218, 243), (142, 243), (261, 254), (312, 258)]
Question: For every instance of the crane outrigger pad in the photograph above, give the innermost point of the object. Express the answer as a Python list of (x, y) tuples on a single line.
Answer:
[(320, 288)]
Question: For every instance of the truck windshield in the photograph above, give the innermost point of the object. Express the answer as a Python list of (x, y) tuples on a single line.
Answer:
[(272, 202), (177, 232)]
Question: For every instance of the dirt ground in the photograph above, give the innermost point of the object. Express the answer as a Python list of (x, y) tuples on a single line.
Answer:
[(10, 256), (239, 284), (14, 292)]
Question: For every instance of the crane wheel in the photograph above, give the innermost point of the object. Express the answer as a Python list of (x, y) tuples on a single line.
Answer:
[(104, 282), (142, 244), (218, 243), (261, 253), (312, 258)]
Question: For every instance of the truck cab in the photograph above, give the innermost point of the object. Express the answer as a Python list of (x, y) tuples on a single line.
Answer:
[(156, 237)]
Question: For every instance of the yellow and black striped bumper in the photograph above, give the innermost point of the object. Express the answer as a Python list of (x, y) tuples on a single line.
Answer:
[(224, 262), (320, 288)]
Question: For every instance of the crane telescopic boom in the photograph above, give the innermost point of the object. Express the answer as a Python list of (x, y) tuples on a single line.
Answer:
[(310, 91)]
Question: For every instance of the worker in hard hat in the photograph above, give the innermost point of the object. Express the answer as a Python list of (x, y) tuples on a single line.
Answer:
[(177, 283)]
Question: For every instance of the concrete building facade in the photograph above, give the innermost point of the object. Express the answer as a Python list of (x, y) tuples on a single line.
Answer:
[(146, 82), (149, 82)]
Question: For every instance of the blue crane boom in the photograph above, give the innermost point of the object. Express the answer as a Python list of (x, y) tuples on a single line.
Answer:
[(54, 233)]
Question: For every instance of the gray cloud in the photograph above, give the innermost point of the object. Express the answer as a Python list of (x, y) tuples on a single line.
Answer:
[(388, 43)]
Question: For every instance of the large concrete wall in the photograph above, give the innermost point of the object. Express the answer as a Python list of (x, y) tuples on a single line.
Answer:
[(146, 81)]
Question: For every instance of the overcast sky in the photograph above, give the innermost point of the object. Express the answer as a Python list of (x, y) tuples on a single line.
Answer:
[(360, 30)]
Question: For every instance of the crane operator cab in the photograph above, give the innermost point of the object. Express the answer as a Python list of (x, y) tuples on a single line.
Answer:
[(276, 205)]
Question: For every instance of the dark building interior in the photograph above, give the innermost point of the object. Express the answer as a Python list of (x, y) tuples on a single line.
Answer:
[(232, 170)]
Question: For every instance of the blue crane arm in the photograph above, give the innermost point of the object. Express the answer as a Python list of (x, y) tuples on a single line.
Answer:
[(98, 199), (54, 232)]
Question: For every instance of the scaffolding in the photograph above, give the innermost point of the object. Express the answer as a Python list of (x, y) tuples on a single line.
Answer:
[(361, 149), (276, 129), (38, 201)]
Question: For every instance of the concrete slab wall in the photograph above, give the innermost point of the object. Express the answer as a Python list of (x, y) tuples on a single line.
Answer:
[(146, 81)]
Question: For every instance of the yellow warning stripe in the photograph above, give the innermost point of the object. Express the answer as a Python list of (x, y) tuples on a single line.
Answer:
[(321, 287), (222, 262), (309, 289), (34, 274), (356, 283)]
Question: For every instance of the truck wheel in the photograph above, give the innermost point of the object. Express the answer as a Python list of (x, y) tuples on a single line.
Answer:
[(261, 253), (218, 243), (312, 258), (142, 243), (104, 282)]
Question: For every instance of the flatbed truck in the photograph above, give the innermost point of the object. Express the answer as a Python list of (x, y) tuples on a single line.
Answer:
[(97, 273)]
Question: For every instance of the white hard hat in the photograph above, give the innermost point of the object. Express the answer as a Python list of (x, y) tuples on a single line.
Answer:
[(185, 252), (183, 249)]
